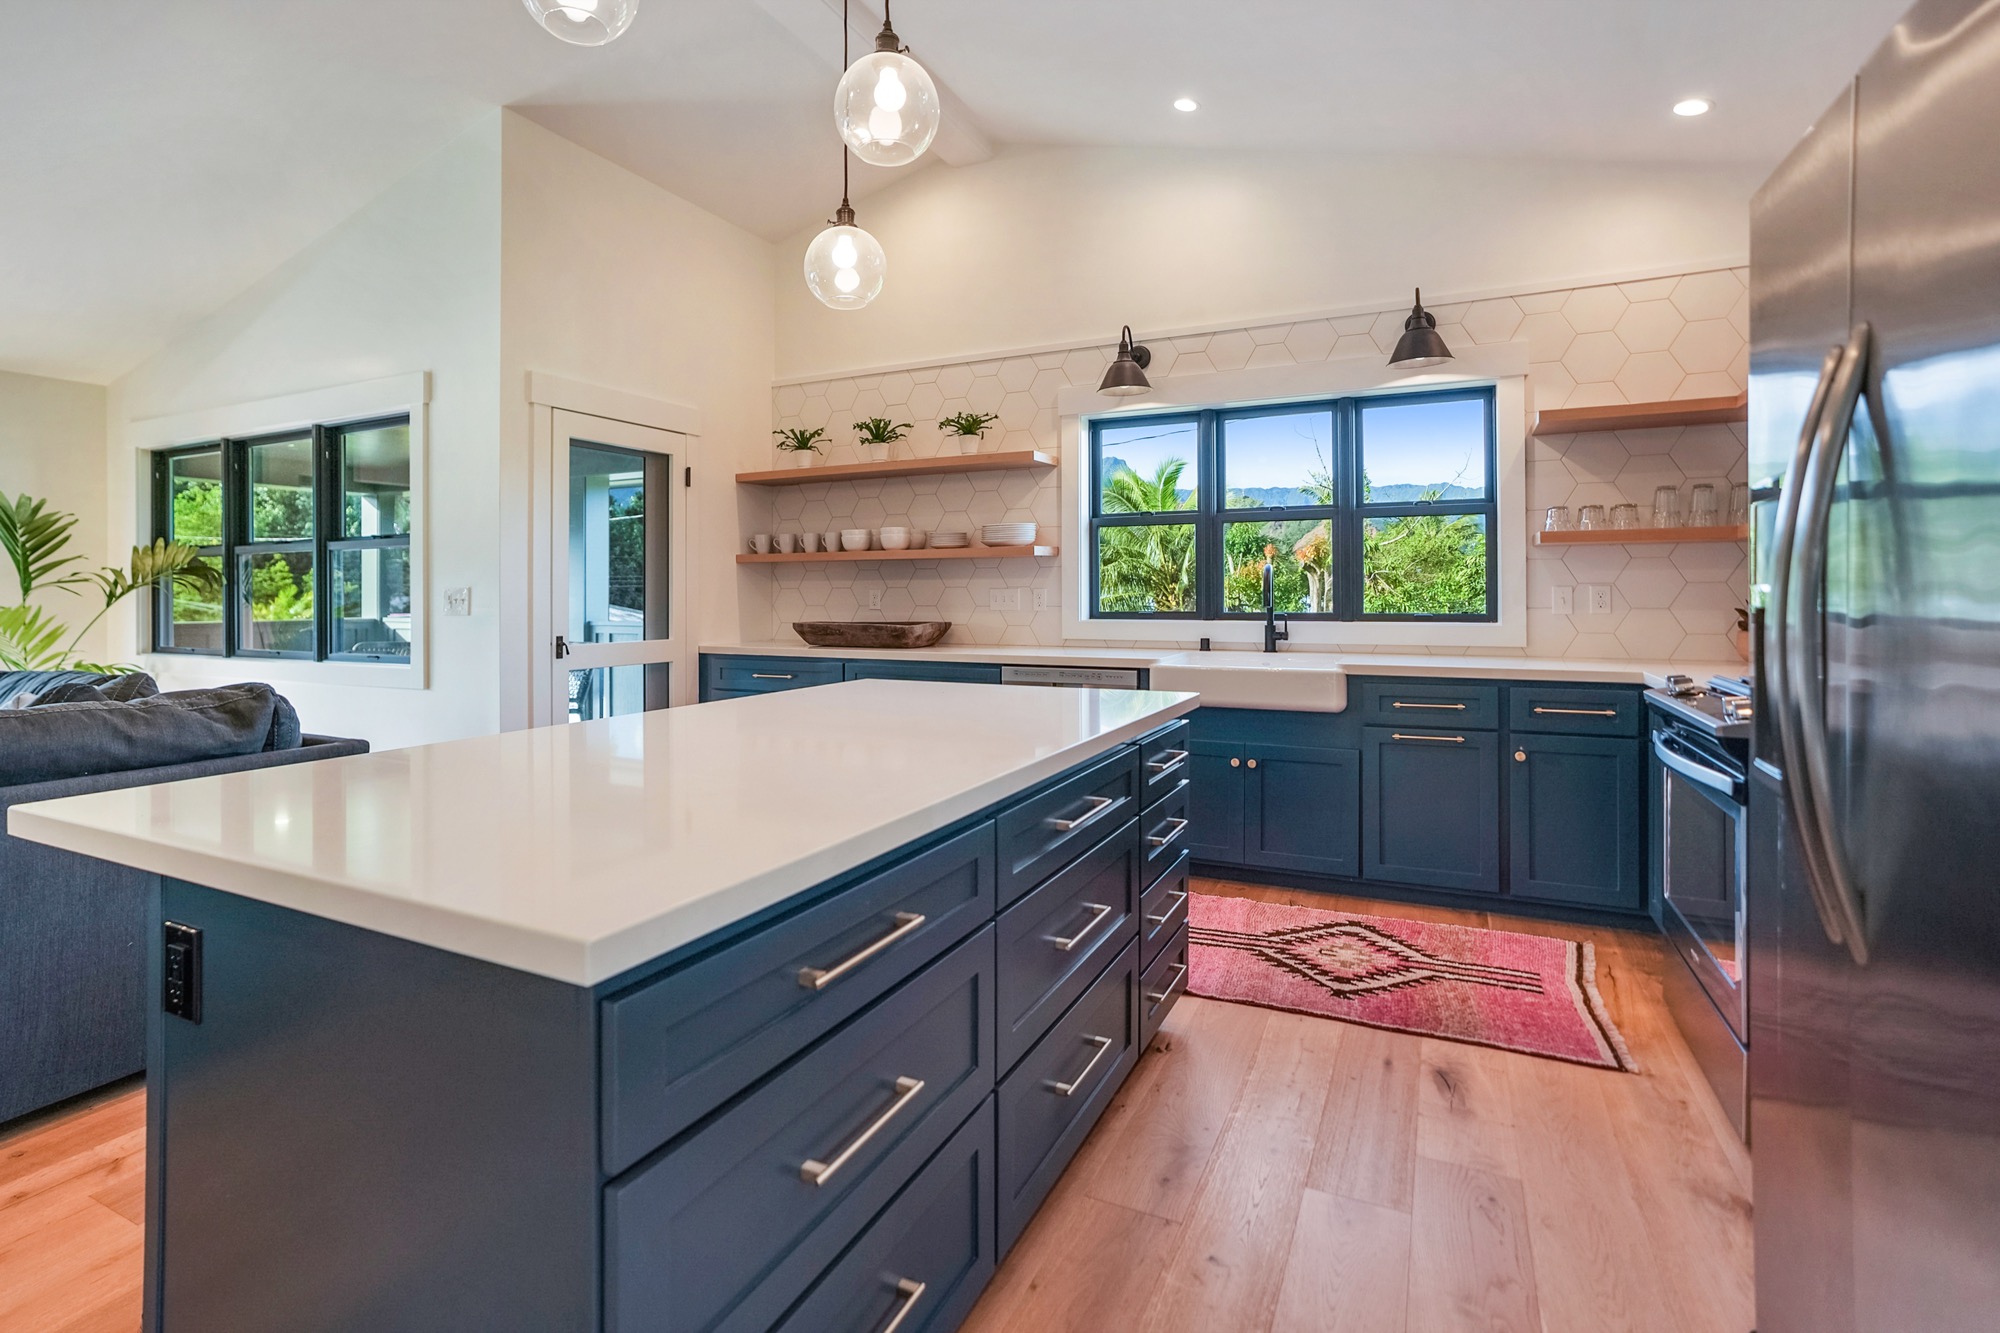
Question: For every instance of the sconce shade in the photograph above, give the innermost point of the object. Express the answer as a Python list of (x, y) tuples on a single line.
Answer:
[(1420, 345), (1127, 375)]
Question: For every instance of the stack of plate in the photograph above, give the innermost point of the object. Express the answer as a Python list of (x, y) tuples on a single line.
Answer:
[(949, 541), (1008, 534)]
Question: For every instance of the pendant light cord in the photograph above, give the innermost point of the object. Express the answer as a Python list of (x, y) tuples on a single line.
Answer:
[(845, 203)]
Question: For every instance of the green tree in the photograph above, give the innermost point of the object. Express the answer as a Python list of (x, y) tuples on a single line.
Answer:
[(1424, 564), (1147, 568)]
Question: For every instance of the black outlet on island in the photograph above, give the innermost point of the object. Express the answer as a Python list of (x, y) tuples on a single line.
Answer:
[(180, 972)]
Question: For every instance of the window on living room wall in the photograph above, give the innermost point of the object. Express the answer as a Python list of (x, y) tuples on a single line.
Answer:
[(310, 530), (1378, 508)]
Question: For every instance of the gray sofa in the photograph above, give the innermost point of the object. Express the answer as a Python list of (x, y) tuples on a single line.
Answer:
[(73, 998)]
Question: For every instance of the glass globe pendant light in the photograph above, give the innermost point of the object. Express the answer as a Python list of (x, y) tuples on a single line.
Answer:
[(886, 106), (844, 264), (584, 22)]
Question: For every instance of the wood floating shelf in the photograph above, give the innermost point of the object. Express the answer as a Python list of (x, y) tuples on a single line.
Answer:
[(1643, 416), (1640, 536), (928, 553), (901, 467)]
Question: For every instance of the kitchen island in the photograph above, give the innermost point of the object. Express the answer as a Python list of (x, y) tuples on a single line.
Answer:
[(780, 1012)]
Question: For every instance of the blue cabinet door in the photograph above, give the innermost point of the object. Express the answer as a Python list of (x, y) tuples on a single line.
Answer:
[(1302, 809), (1573, 804), (1431, 808), (1216, 801)]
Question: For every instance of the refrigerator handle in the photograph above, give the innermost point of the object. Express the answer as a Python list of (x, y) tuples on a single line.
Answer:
[(1808, 687), (1780, 675)]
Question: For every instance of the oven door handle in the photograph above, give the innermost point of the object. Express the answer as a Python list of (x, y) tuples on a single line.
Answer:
[(1691, 768)]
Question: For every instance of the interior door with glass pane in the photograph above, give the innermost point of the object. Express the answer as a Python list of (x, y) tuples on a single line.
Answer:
[(615, 569)]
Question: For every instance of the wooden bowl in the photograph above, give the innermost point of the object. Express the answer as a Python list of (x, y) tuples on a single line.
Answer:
[(871, 633)]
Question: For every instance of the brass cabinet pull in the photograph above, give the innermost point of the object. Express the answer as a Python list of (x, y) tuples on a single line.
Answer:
[(1168, 761), (1180, 827), (1068, 1089), (1520, 756), (771, 675), (1454, 708), (1577, 712), (1453, 740), (819, 978), (912, 1293), (1105, 804), (815, 1172), (1236, 763), (1179, 897), (1098, 911), (1252, 763), (1180, 971)]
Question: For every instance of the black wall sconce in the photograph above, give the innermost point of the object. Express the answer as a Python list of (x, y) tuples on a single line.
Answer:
[(1420, 345), (1127, 375)]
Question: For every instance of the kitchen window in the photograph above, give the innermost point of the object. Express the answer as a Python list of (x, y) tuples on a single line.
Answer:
[(310, 530), (1373, 509)]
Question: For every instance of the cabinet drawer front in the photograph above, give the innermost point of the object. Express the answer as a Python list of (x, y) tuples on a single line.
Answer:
[(676, 1047), (1165, 762), (1049, 1103), (1431, 808), (1574, 803), (1056, 939), (1419, 703), (966, 672), (1163, 910), (1164, 834), (1048, 831), (725, 1229), (761, 675), (1162, 985), (1572, 711), (928, 1255)]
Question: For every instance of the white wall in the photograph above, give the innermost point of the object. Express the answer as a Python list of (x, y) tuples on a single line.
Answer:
[(52, 447), (612, 281), (409, 284), (1059, 247)]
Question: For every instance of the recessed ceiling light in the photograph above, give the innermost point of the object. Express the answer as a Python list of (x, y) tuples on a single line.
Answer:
[(1693, 106), (1185, 104)]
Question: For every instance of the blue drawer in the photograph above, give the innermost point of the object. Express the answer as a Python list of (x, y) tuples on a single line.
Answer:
[(1162, 985), (1425, 703), (727, 1228), (762, 675), (1049, 1103), (677, 1046), (1164, 762), (1573, 712), (1163, 910), (926, 1258), (969, 673), (1056, 939), (1163, 836), (1049, 830)]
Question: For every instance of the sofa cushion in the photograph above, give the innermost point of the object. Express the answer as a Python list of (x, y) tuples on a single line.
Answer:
[(27, 684), (130, 685), (80, 739), (69, 692), (285, 729)]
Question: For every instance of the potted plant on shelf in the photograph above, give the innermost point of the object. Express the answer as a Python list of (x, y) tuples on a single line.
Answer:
[(797, 446), (877, 434), (964, 431)]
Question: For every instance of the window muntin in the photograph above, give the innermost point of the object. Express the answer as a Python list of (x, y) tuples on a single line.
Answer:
[(1375, 508), (311, 533)]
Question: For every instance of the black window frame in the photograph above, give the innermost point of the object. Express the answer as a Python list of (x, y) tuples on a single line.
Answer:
[(1348, 515), (239, 544)]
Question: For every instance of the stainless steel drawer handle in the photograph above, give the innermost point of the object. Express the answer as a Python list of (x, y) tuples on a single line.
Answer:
[(1577, 712), (771, 675), (1154, 997), (1068, 1089), (1179, 897), (1168, 761), (1103, 806), (1098, 911), (816, 1172), (1450, 708), (1450, 740), (912, 1292), (819, 978), (1180, 827)]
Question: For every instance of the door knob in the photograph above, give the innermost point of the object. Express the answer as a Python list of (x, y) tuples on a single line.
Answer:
[(1520, 756)]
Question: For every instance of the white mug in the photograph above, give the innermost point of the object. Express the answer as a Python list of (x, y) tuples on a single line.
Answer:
[(788, 543), (808, 542), (761, 543), (829, 541)]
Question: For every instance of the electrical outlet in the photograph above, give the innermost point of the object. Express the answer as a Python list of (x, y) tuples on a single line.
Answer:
[(1597, 599), (1562, 601), (458, 601), (874, 599), (1045, 599), (1004, 599)]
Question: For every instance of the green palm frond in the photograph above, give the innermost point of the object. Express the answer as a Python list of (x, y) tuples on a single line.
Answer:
[(154, 564), (30, 639), (32, 534)]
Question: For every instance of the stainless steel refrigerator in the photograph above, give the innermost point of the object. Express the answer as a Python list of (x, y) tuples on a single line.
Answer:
[(1874, 876)]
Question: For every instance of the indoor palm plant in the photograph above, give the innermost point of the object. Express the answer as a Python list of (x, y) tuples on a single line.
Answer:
[(798, 445), (964, 430), (877, 434), (33, 536)]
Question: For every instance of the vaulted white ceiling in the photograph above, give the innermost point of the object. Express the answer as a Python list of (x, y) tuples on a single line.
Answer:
[(161, 156)]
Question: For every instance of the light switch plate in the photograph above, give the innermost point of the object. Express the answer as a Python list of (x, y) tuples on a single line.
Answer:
[(1562, 601), (1004, 599), (1597, 599), (458, 601)]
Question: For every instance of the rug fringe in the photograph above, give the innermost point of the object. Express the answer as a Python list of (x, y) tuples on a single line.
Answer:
[(1602, 1014)]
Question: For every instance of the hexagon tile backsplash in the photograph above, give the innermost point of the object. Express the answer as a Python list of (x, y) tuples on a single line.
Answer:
[(1674, 337)]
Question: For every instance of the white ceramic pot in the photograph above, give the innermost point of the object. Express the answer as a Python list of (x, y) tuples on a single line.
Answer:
[(878, 453)]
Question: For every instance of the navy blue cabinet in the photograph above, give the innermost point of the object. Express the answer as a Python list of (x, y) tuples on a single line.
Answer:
[(1216, 801), (970, 673), (1302, 809), (1431, 808), (1575, 833)]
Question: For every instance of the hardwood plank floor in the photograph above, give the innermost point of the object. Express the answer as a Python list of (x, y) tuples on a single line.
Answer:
[(1261, 1172)]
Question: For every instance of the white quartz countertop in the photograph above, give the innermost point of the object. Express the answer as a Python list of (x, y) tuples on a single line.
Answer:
[(1637, 672), (577, 852)]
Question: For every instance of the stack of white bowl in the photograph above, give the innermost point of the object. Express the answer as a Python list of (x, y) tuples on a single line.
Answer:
[(949, 541), (1008, 534)]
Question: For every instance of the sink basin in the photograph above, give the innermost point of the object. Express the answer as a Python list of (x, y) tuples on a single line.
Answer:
[(1291, 682)]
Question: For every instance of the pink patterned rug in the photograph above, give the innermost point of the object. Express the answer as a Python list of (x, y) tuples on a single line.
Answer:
[(1526, 993)]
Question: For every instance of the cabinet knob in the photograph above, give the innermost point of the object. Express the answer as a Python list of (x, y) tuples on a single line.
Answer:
[(1253, 763), (1520, 756), (1236, 763)]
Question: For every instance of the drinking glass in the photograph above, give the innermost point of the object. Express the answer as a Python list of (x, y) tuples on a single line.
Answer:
[(1739, 504), (1625, 516), (1591, 518), (1559, 519), (1702, 512), (1667, 507)]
